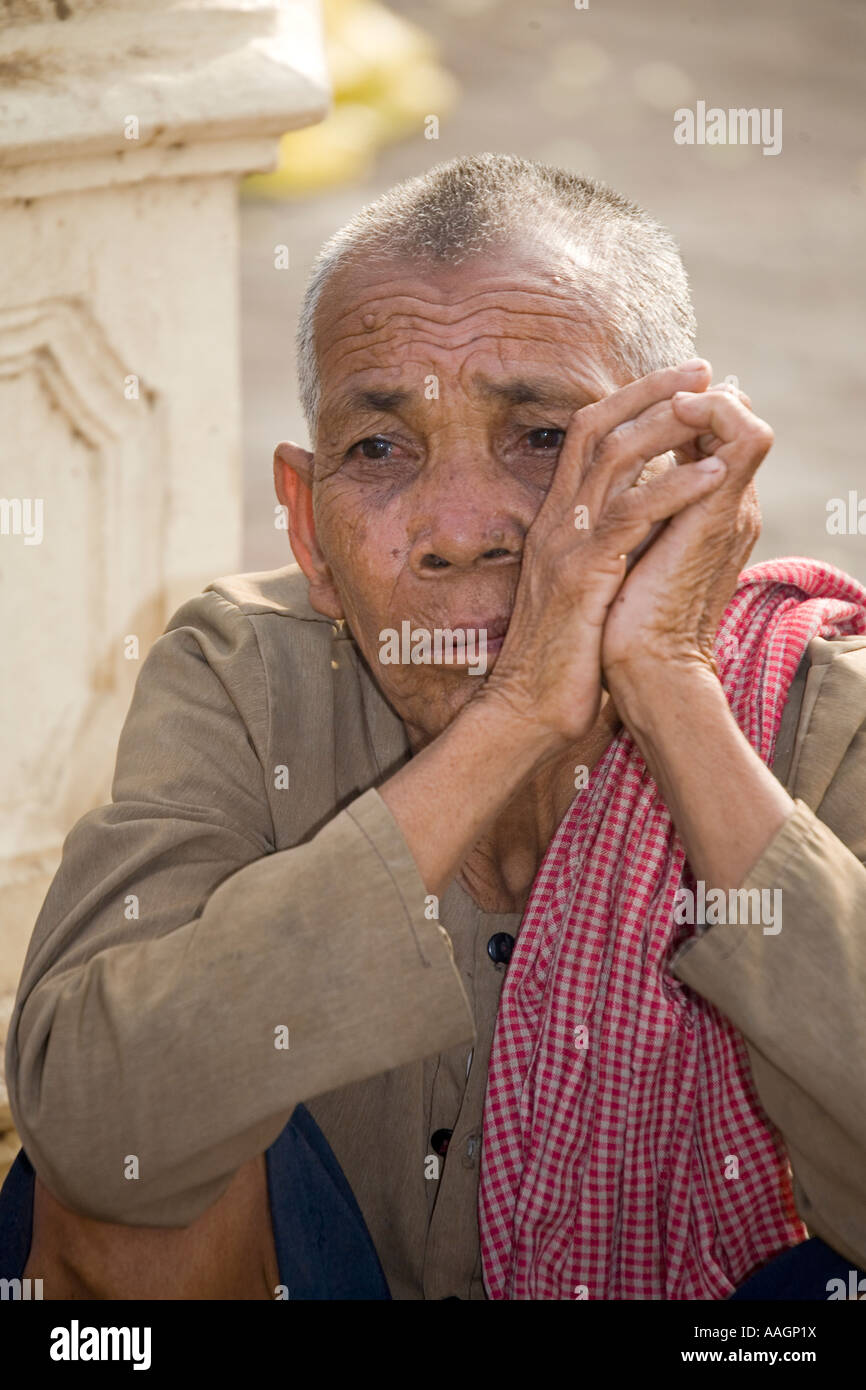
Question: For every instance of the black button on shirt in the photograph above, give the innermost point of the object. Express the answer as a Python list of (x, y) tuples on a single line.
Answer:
[(499, 947), (439, 1142)]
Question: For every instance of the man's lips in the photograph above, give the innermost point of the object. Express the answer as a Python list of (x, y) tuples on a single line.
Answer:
[(478, 638), (494, 629), (494, 626)]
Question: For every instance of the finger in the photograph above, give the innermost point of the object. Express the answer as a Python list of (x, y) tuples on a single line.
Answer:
[(732, 390), (700, 448), (707, 444), (635, 511), (624, 454), (746, 439), (589, 425)]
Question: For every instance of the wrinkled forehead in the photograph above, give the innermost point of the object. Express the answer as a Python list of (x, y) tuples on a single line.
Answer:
[(385, 318)]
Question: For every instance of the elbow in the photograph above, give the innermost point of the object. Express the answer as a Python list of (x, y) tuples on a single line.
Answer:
[(71, 1123)]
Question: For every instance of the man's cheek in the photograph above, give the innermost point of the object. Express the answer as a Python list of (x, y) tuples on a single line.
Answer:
[(341, 525), (329, 500), (367, 578)]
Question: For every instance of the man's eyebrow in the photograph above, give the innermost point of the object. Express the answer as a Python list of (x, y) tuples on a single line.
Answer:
[(539, 391), (356, 402), (544, 391)]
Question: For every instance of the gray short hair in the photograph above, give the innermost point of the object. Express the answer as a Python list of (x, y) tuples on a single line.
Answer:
[(476, 203)]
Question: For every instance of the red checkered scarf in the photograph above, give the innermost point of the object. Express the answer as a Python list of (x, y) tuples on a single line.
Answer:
[(616, 1097)]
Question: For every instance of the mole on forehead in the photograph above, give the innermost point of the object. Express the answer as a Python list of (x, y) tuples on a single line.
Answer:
[(364, 318)]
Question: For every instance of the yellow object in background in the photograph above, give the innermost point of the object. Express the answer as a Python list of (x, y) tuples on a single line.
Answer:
[(387, 83)]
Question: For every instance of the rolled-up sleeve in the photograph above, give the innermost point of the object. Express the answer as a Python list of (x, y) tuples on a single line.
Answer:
[(187, 984), (798, 996)]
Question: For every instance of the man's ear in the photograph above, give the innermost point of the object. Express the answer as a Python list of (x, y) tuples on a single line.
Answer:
[(293, 481)]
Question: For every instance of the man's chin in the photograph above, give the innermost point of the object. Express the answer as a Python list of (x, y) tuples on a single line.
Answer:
[(428, 710)]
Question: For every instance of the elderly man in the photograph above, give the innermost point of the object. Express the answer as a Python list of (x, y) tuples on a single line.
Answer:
[(339, 901)]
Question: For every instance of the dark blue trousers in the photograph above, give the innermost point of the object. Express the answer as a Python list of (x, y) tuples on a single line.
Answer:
[(801, 1273), (324, 1249)]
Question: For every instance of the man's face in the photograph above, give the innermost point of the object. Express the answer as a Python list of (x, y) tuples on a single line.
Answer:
[(445, 396)]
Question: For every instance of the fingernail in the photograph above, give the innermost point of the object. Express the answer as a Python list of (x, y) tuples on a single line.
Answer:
[(694, 364), (710, 465)]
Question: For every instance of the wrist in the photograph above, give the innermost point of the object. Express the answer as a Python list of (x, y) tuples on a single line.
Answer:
[(512, 731), (656, 691)]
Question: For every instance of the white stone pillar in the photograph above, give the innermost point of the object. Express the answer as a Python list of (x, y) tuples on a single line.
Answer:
[(124, 127)]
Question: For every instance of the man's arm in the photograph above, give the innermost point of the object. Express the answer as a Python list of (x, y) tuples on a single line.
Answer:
[(174, 944), (798, 996)]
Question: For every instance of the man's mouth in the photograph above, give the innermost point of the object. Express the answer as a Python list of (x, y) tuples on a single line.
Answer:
[(493, 629), (468, 643)]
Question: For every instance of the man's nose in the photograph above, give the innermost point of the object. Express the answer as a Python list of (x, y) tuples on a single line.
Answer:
[(467, 514)]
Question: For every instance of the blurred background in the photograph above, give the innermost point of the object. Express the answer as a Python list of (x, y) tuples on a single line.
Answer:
[(774, 245)]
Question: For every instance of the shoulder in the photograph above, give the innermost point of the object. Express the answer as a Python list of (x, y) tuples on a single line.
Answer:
[(825, 727), (222, 619), (824, 652), (837, 666), (282, 592), (215, 653)]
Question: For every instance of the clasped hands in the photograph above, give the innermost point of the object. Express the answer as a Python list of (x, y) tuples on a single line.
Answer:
[(666, 462)]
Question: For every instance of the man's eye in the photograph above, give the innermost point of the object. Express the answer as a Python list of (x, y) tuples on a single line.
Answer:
[(373, 448), (546, 438)]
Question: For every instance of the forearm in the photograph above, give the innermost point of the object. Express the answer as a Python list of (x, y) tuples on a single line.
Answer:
[(189, 1045), (448, 793), (797, 999), (725, 803)]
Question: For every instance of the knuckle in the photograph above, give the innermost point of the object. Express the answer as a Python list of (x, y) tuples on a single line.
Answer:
[(760, 432), (584, 427), (611, 444), (624, 508), (604, 446), (585, 417)]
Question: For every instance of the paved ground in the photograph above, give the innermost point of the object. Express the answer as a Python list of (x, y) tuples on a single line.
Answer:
[(774, 244)]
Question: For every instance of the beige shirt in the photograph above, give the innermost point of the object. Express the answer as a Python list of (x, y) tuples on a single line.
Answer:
[(248, 879)]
